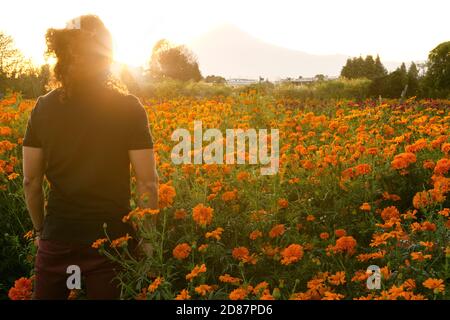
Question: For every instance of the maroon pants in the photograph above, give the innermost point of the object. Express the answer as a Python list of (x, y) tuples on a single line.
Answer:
[(52, 260)]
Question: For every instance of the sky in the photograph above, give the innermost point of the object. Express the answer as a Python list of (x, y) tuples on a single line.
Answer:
[(398, 30)]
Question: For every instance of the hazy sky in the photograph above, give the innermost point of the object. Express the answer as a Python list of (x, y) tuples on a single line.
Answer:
[(398, 30)]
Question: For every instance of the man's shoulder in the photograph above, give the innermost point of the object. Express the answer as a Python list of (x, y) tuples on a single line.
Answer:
[(130, 103), (49, 99)]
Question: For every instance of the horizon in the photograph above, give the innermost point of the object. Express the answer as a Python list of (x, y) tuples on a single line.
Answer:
[(138, 25)]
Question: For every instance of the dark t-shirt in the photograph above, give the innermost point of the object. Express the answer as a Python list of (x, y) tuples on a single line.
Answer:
[(85, 143)]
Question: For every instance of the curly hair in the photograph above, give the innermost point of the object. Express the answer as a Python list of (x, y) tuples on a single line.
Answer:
[(83, 51)]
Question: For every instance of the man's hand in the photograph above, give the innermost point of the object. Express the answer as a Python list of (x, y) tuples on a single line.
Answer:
[(36, 241)]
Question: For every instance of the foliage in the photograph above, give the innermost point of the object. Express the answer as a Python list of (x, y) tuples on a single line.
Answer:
[(174, 62), (359, 184)]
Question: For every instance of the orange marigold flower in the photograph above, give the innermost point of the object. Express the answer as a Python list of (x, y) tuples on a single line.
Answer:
[(277, 230), (403, 160), (427, 244), (324, 235), (196, 271), (310, 218), (337, 279), (437, 285), (226, 278), (22, 290), (28, 235), (183, 295), (229, 196), (340, 233), (181, 251), (419, 256), (269, 250), (203, 289), (390, 213), (203, 247), (140, 214), (442, 166), (362, 169), (428, 164), (332, 296), (242, 254), (202, 215), (216, 234), (345, 244), (409, 284), (238, 294), (167, 194), (260, 287), (255, 234), (365, 207), (445, 212), (122, 241), (421, 200), (428, 226), (155, 284), (445, 147), (242, 176), (392, 197), (98, 243), (180, 214), (211, 196), (291, 254), (417, 146), (368, 256), (283, 203), (360, 275)]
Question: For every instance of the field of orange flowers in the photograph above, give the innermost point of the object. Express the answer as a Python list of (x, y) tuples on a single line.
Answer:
[(359, 184)]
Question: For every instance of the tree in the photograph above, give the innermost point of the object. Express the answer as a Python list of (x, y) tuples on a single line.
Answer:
[(129, 80), (10, 57), (215, 79), (437, 79), (175, 62), (380, 70), (413, 80), (320, 77), (363, 68)]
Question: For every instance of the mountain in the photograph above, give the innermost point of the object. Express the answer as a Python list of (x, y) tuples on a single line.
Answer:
[(232, 53)]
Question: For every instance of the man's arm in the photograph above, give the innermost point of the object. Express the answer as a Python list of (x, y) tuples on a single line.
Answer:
[(33, 176), (144, 166)]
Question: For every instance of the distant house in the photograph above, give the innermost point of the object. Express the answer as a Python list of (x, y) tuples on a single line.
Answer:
[(305, 80), (241, 82)]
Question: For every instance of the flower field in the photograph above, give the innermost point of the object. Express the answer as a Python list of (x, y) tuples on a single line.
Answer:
[(359, 184)]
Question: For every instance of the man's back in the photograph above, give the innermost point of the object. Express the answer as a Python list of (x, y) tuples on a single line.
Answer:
[(86, 143)]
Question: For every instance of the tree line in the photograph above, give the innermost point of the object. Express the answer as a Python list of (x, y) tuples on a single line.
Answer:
[(177, 62), (430, 79)]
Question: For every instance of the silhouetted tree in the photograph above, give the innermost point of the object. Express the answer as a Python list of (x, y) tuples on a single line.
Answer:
[(413, 80), (175, 62), (19, 74), (130, 81), (363, 68), (320, 77), (380, 70), (437, 79)]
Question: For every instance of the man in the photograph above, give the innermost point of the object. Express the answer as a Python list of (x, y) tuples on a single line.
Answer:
[(82, 137)]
